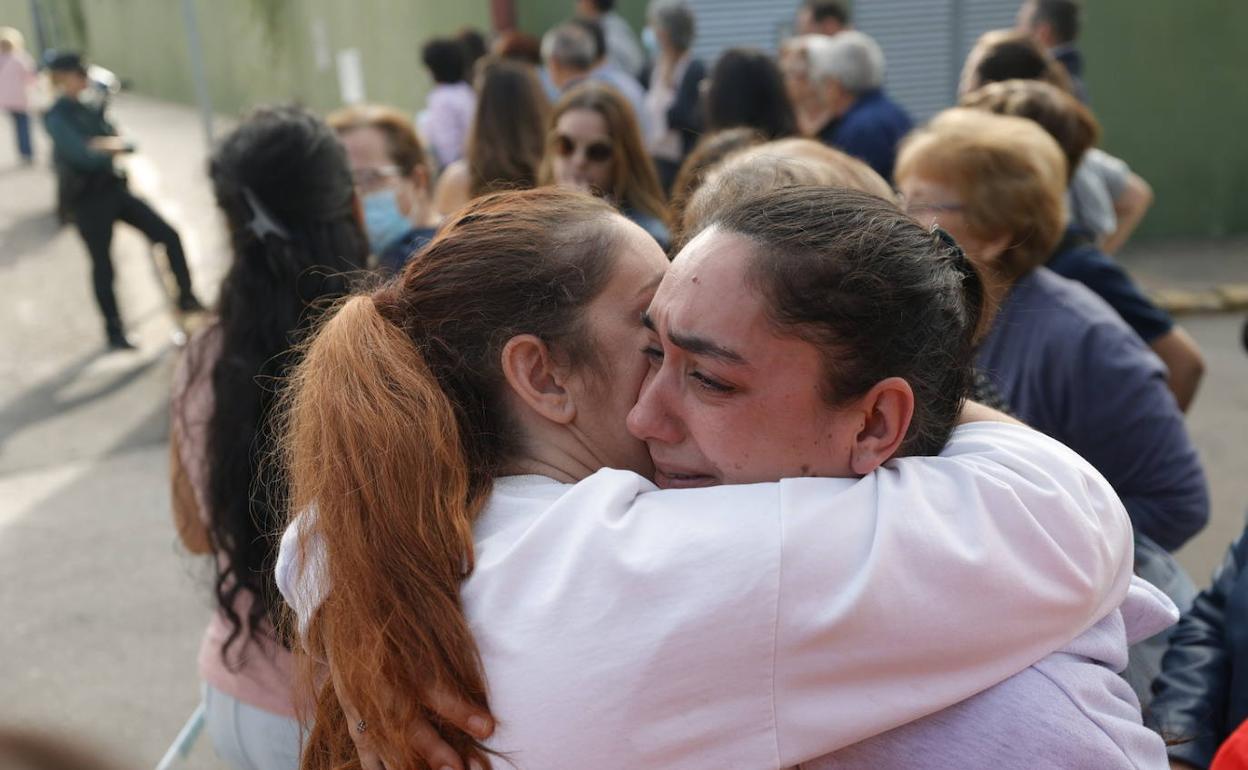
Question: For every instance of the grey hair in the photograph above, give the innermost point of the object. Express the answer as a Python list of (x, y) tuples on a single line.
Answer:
[(569, 45), (675, 17), (850, 57)]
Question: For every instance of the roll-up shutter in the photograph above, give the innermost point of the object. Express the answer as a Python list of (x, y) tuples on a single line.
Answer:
[(924, 41), (919, 39), (723, 24), (980, 16)]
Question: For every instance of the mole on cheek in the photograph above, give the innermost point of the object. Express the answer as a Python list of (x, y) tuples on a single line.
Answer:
[(695, 279)]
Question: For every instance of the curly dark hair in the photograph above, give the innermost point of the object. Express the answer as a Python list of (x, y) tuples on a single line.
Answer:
[(285, 165)]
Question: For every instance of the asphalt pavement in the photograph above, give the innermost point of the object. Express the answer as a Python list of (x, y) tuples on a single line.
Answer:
[(101, 608)]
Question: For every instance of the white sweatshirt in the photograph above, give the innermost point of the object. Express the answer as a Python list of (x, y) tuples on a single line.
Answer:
[(763, 625)]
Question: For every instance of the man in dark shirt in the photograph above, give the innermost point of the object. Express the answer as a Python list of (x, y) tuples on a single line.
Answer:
[(836, 84), (84, 146), (1054, 24)]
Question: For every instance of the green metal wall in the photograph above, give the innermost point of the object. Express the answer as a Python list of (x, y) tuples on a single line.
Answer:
[(260, 51), (537, 16), (1169, 82)]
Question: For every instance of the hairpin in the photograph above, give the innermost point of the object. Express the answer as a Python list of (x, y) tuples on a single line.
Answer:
[(262, 223)]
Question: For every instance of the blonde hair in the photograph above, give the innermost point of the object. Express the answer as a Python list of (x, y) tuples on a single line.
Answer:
[(1009, 173), (13, 37), (775, 165), (402, 144)]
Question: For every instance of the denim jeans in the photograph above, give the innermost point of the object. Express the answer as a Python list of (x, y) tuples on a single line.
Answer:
[(21, 126), (250, 738)]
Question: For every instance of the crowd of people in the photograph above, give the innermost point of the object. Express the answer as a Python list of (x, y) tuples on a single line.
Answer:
[(625, 409)]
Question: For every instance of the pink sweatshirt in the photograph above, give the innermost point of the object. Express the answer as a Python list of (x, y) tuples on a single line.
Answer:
[(17, 73)]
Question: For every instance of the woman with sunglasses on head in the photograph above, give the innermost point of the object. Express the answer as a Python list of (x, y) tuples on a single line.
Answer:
[(507, 137), (595, 146), (283, 184), (451, 439)]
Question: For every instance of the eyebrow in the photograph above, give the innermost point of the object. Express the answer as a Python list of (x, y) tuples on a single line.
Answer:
[(699, 346)]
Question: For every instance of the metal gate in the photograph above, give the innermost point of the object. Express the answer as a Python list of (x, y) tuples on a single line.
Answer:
[(924, 41)]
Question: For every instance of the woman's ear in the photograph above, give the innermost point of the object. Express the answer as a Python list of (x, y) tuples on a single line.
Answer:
[(537, 379), (887, 410)]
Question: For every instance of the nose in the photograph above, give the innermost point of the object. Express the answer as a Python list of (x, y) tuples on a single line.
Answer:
[(651, 418)]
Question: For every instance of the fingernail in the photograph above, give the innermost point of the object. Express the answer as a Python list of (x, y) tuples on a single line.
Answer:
[(479, 727)]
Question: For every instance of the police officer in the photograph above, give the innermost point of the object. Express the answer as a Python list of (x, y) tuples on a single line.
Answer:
[(95, 191)]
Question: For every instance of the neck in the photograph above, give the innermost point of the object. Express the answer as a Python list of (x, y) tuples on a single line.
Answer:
[(813, 114), (422, 214), (560, 451), (996, 289), (553, 462)]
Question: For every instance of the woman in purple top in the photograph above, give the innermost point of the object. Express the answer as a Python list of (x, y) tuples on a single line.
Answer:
[(1063, 359), (451, 103)]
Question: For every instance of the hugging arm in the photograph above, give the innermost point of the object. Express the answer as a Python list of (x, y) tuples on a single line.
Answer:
[(975, 566), (879, 600)]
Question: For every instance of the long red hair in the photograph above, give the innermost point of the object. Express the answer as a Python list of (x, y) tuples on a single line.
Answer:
[(395, 428)]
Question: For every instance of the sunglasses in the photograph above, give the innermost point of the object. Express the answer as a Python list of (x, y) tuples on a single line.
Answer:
[(595, 152)]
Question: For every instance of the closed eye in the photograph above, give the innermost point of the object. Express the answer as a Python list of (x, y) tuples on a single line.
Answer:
[(711, 384)]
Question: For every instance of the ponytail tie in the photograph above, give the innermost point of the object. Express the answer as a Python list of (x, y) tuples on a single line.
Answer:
[(958, 254)]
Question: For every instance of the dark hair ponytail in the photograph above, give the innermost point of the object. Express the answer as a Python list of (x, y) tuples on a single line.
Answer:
[(282, 181)]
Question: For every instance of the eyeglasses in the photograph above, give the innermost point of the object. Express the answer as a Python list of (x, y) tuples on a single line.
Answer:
[(374, 177), (921, 207), (595, 152)]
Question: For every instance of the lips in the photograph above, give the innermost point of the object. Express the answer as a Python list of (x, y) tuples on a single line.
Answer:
[(672, 478)]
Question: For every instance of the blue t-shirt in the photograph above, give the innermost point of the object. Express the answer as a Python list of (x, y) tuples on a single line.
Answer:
[(392, 259), (871, 130), (1078, 259), (651, 224), (1070, 367)]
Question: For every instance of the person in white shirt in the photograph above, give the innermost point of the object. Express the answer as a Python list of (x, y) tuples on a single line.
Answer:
[(623, 51), (455, 432)]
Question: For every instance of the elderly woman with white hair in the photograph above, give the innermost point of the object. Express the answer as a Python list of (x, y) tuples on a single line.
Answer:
[(837, 85), (673, 99)]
